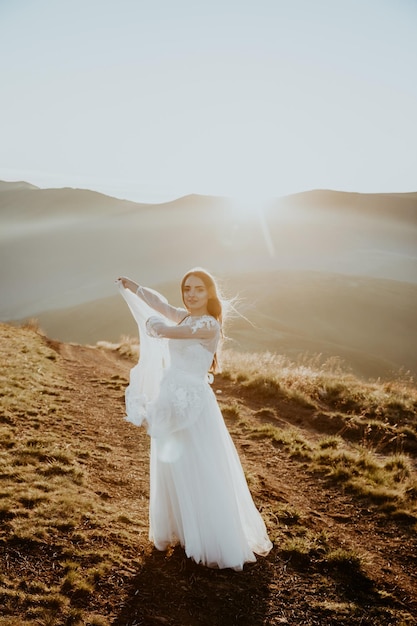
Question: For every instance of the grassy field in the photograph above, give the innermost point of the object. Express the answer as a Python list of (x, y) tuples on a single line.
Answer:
[(370, 429), (330, 460)]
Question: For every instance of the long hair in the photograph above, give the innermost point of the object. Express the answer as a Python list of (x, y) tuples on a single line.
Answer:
[(214, 303)]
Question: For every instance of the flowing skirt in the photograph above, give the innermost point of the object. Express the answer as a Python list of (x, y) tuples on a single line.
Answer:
[(199, 494)]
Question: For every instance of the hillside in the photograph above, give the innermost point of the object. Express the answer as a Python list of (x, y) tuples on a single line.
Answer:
[(330, 461), (64, 247), (368, 323), (320, 272)]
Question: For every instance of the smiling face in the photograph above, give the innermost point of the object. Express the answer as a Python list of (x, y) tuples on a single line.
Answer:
[(195, 295)]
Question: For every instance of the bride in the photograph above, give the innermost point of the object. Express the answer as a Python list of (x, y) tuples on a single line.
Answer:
[(198, 492)]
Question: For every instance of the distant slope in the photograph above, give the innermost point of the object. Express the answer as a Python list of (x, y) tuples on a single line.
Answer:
[(369, 323), (17, 184), (62, 249), (20, 201), (388, 205)]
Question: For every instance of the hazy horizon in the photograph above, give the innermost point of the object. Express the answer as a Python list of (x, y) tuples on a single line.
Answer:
[(323, 272), (136, 196)]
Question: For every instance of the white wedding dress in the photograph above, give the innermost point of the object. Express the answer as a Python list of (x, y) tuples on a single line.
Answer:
[(198, 492)]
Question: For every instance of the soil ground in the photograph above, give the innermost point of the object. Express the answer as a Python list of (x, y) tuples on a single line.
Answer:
[(170, 589), (288, 586)]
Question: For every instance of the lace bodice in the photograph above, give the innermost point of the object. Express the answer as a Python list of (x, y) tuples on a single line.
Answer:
[(195, 354), (176, 354), (193, 340)]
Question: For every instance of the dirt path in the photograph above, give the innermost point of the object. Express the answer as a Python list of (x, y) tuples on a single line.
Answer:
[(282, 589)]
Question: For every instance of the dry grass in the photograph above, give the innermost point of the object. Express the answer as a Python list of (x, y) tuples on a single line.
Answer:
[(387, 481), (379, 417), (46, 505), (127, 346), (371, 423), (313, 380), (68, 547)]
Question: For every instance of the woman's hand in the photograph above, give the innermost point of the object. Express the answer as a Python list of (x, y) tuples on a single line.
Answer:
[(128, 283)]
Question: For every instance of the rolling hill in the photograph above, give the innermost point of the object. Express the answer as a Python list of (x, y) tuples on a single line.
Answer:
[(322, 271)]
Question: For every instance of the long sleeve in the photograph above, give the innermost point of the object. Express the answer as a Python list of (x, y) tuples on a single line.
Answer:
[(158, 303), (205, 328)]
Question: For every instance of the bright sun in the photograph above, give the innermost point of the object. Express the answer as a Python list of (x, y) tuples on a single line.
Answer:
[(249, 205), (253, 208)]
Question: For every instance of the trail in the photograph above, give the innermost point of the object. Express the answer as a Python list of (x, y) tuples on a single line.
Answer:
[(280, 587)]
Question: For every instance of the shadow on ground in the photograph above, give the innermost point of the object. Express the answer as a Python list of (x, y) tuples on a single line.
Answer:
[(172, 589)]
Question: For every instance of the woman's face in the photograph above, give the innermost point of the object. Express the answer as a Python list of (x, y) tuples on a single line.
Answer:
[(195, 295)]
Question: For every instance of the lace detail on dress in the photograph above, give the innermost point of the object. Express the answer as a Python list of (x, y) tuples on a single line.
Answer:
[(150, 323), (186, 398), (179, 404), (206, 321)]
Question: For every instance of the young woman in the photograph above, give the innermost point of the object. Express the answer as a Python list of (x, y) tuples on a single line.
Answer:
[(198, 492)]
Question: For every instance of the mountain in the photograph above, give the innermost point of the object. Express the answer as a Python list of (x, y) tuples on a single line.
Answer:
[(62, 249), (15, 185), (388, 205)]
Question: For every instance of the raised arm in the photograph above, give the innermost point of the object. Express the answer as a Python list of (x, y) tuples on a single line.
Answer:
[(204, 328), (155, 300)]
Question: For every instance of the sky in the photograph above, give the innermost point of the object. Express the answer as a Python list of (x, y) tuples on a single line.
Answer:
[(155, 99)]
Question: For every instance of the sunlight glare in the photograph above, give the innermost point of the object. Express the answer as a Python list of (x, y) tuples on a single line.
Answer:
[(249, 205), (252, 207)]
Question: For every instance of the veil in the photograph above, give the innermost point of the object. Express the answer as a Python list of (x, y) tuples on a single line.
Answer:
[(145, 376)]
